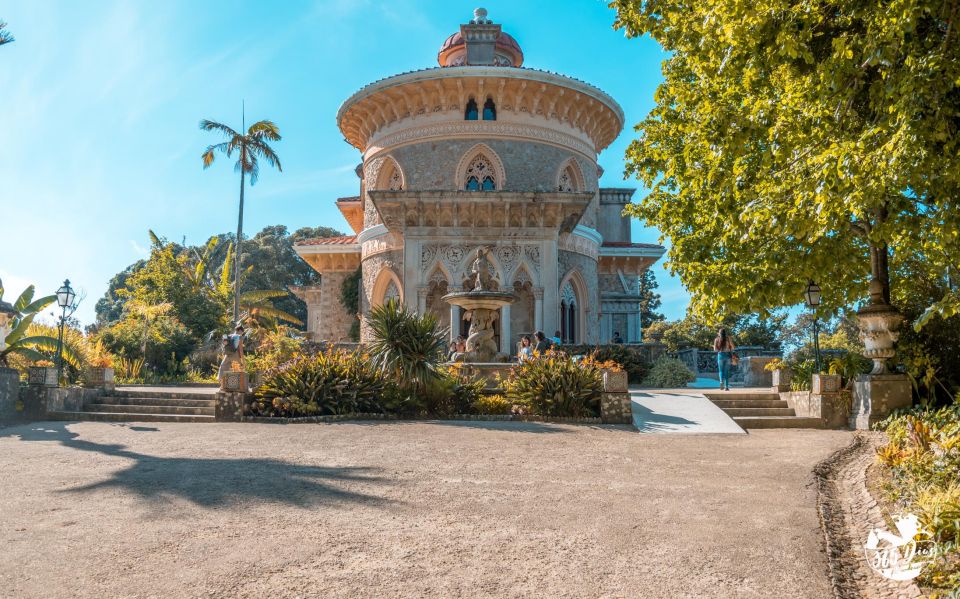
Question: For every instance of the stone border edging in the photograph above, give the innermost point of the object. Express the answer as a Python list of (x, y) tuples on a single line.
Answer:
[(460, 417), (847, 511)]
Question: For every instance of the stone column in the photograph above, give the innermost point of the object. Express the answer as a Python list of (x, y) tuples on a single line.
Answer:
[(505, 345), (422, 300), (538, 310), (454, 322), (549, 275)]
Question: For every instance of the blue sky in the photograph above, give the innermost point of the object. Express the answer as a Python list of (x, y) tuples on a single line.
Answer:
[(100, 103)]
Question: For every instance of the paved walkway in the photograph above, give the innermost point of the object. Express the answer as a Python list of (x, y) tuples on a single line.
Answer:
[(407, 509), (679, 411)]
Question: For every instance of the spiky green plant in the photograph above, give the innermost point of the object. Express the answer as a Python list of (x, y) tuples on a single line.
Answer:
[(406, 346), (554, 384)]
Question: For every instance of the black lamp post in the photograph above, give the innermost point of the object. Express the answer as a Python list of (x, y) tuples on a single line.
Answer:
[(65, 297), (813, 296)]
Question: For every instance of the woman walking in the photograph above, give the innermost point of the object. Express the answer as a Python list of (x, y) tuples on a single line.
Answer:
[(724, 347)]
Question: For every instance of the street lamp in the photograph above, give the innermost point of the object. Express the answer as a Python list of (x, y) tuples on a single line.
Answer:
[(65, 297), (813, 297)]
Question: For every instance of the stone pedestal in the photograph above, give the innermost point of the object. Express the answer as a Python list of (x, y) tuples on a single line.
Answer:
[(876, 395), (231, 406), (102, 378), (234, 381), (42, 376), (754, 371), (781, 379), (616, 408)]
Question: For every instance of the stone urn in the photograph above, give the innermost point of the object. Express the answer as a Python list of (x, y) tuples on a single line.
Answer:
[(614, 381), (42, 376), (879, 329)]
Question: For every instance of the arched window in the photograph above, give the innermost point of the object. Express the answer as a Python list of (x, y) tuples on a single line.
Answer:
[(471, 113), (570, 178), (489, 110), (568, 314), (480, 175)]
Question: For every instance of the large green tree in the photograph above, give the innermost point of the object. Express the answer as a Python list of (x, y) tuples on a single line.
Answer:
[(650, 300), (795, 140)]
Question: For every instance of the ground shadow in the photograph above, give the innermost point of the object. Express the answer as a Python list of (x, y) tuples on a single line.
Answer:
[(648, 421), (215, 482)]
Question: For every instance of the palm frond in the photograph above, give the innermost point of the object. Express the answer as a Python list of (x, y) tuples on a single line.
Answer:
[(21, 329), (155, 240), (262, 150), (256, 297), (25, 298), (27, 352), (5, 38), (39, 305), (265, 129), (272, 312), (215, 126)]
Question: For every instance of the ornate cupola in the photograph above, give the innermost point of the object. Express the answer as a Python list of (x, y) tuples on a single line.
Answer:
[(480, 43)]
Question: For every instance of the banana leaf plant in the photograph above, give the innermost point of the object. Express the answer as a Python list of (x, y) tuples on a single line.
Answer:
[(32, 347)]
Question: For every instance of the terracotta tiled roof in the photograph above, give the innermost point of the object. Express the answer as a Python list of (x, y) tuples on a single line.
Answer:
[(349, 199), (345, 240), (628, 244)]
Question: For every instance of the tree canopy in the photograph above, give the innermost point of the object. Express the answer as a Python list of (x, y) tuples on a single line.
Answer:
[(795, 141)]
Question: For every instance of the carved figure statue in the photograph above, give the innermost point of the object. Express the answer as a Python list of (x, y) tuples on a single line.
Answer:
[(480, 340), (480, 269)]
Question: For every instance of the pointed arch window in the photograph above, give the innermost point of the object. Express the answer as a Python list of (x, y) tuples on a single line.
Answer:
[(471, 112), (489, 110), (480, 175), (568, 314), (569, 178)]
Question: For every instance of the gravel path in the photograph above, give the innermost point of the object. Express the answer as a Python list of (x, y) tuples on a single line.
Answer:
[(408, 510)]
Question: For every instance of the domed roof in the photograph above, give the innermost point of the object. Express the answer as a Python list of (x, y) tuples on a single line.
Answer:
[(453, 50)]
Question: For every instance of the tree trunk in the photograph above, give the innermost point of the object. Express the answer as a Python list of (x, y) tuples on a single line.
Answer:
[(880, 257), (236, 255)]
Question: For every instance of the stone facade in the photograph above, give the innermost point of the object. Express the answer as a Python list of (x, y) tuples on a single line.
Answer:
[(484, 155)]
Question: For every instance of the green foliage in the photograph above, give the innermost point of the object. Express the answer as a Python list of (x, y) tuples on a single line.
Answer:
[(631, 359), (650, 300), (668, 373), (330, 382), (553, 384), (798, 140), (150, 337), (5, 36), (697, 332), (802, 374), (922, 460), (20, 341), (494, 405), (449, 394), (405, 346), (273, 349)]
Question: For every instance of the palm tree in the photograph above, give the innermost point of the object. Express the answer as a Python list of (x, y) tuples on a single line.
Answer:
[(252, 146), (5, 36)]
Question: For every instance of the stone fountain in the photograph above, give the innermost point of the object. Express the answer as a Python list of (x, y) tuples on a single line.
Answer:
[(483, 305)]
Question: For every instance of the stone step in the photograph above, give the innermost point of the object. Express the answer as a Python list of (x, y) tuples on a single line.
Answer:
[(735, 412), (122, 417), (150, 409), (750, 403), (156, 401), (154, 392), (728, 395), (777, 422)]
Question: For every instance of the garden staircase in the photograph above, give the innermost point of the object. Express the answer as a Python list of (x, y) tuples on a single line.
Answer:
[(759, 409), (146, 405)]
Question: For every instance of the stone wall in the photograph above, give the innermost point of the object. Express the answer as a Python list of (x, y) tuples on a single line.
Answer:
[(832, 409), (9, 394), (591, 308), (334, 322)]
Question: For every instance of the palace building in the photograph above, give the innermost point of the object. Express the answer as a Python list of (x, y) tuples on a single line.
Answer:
[(483, 153)]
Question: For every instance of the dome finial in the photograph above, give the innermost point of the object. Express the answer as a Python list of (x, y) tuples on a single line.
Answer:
[(480, 17)]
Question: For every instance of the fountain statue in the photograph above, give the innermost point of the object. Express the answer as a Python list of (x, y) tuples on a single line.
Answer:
[(483, 304)]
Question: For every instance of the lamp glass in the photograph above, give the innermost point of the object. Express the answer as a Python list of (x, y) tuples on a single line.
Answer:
[(813, 295), (65, 295)]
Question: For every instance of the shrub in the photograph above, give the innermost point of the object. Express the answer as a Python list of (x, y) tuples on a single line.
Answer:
[(633, 360), (332, 382), (922, 459), (668, 373), (450, 393), (493, 405), (553, 384), (406, 347)]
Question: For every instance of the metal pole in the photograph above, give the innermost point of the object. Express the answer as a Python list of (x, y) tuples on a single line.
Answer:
[(816, 340), (63, 317)]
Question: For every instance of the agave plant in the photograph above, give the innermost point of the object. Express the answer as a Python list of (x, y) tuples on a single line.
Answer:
[(18, 342), (406, 345)]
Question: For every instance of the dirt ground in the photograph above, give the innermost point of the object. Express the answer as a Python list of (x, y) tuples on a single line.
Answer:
[(447, 509)]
